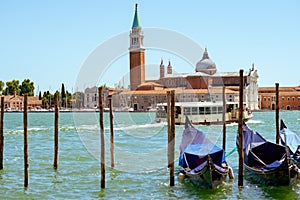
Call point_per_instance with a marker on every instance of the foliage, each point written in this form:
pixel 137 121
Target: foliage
pixel 27 87
pixel 12 87
pixel 1 85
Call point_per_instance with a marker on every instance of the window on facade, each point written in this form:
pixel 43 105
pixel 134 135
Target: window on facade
pixel 293 99
pixel 265 99
pixel 220 109
pixel 282 98
pixel 186 111
pixel 95 97
pixel 288 99
pixel 273 98
pixel 201 110
pixel 269 99
pixel 214 110
pixel 207 110
pixel 299 99
pixel 194 111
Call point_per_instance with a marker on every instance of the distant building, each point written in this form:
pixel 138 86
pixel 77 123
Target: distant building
pixel 16 102
pixel 91 97
pixel 289 98
pixel 205 78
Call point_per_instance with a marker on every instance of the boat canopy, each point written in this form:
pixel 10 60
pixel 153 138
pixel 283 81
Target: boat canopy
pixel 195 148
pixel 289 138
pixel 257 151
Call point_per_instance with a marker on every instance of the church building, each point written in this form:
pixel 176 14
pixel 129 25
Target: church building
pixel 197 86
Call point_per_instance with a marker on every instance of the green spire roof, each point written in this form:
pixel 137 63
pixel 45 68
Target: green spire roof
pixel 136 20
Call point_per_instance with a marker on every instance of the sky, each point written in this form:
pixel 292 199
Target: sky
pixel 50 42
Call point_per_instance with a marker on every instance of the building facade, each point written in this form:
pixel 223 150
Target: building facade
pixel 289 98
pixel 206 75
pixel 16 102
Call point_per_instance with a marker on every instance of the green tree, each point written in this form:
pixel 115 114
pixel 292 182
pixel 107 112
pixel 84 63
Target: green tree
pixel 1 86
pixel 27 87
pixel 11 87
pixel 63 95
pixel 40 95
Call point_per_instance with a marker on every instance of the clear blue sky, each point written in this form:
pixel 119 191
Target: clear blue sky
pixel 48 41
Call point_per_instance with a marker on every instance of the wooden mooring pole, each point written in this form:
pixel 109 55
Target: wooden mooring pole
pixel 223 118
pixel 112 147
pixel 102 143
pixel 240 131
pixel 2 133
pixel 56 111
pixel 171 136
pixel 169 125
pixel 277 114
pixel 25 121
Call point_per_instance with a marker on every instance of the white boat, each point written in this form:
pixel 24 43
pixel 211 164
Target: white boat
pixel 203 112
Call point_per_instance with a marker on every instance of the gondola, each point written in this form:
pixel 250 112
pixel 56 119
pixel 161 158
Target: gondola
pixel 292 141
pixel 201 161
pixel 265 162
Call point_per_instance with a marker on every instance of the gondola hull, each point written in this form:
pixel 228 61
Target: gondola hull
pixel 279 177
pixel 209 177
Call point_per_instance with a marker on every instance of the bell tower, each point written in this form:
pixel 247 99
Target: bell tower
pixel 136 53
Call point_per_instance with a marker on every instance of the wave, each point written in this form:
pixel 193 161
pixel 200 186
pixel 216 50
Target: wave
pixel 252 121
pixel 29 130
pixel 141 126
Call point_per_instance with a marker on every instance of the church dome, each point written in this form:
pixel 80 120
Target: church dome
pixel 206 65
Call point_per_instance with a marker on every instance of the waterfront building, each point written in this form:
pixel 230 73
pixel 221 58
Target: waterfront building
pixel 16 102
pixel 201 82
pixel 289 98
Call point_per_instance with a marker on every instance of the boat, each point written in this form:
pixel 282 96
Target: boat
pixel 203 112
pixel 265 162
pixel 292 141
pixel 201 161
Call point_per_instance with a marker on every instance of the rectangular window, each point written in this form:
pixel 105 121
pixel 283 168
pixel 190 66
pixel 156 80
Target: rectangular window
pixel 214 110
pixel 220 109
pixel 194 111
pixel 201 110
pixel 207 110
pixel 187 111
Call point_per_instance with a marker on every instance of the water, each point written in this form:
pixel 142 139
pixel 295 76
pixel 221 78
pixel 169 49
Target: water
pixel 140 159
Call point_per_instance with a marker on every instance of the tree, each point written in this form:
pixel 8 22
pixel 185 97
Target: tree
pixel 63 91
pixel 40 95
pixel 12 87
pixel 27 87
pixel 63 95
pixel 1 85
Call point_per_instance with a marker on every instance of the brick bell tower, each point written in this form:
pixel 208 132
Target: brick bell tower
pixel 136 53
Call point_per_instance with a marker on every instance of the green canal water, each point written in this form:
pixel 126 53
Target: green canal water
pixel 140 170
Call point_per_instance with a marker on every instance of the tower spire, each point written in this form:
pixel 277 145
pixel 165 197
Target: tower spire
pixel 136 20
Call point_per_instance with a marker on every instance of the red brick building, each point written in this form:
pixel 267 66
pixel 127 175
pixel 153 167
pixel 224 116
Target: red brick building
pixel 289 98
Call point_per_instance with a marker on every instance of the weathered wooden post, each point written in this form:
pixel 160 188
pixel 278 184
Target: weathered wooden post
pixel 102 148
pixel 55 164
pixel 2 133
pixel 112 147
pixel 277 114
pixel 223 118
pixel 240 131
pixel 169 125
pixel 25 122
pixel 171 136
